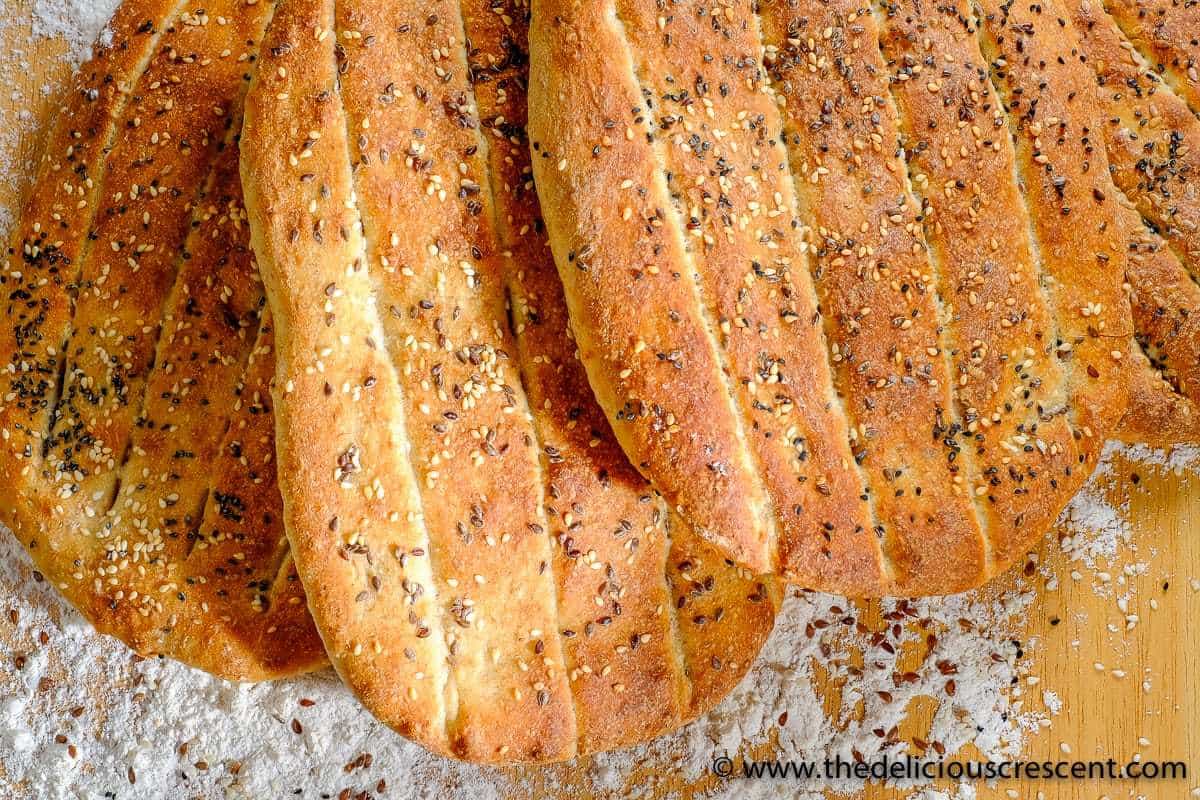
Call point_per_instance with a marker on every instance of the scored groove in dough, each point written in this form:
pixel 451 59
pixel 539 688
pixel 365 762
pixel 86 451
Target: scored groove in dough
pixel 1153 143
pixel 489 488
pixel 382 336
pixel 889 570
pixel 1164 31
pixel 107 476
pixel 695 601
pixel 997 35
pixel 558 588
pixel 759 503
pixel 980 233
pixel 112 131
pixel 948 341
pixel 499 93
pixel 871 262
pixel 961 504
pixel 123 474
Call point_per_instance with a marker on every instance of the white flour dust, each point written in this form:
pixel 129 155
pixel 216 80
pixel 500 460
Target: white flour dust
pixel 82 717
pixel 80 711
pixel 75 22
pixel 79 714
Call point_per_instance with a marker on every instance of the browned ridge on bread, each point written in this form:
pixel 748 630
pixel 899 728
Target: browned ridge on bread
pixel 136 438
pixel 1152 137
pixel 489 574
pixel 1164 34
pixel 853 283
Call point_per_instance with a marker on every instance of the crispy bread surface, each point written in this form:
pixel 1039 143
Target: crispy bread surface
pixel 489 574
pixel 916 197
pixel 137 456
pixel 1152 138
pixel 1164 33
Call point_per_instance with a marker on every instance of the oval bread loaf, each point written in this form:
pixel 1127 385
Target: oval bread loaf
pixel 879 269
pixel 136 439
pixel 1152 138
pixel 490 575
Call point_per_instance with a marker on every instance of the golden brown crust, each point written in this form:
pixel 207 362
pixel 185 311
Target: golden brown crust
pixel 1072 204
pixel 475 457
pixel 489 574
pixel 971 421
pixel 877 289
pixel 1166 312
pixel 607 512
pixel 1009 385
pixel 352 553
pixel 1164 31
pixel 728 179
pixel 722 613
pixel 608 530
pixel 720 218
pixel 1159 415
pixel 126 359
pixel 655 365
pixel 1150 133
pixel 1153 144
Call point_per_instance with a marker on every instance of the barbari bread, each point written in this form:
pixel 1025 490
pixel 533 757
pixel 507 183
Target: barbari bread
pixel 1152 138
pixel 853 283
pixel 136 438
pixel 489 574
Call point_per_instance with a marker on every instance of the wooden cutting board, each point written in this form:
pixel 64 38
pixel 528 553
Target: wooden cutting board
pixel 1124 690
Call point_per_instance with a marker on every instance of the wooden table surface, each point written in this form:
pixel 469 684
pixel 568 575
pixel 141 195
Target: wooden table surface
pixel 1108 712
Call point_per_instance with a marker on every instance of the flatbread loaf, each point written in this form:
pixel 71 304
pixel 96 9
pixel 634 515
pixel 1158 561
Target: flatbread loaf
pixel 136 438
pixel 879 269
pixel 489 574
pixel 1152 138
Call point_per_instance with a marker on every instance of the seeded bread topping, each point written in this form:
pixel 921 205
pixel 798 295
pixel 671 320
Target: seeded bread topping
pixel 137 456
pixel 1152 139
pixel 904 212
pixel 490 576
pixel 1164 33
